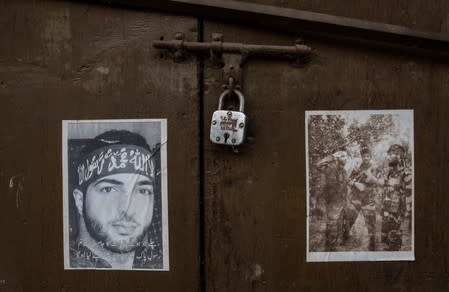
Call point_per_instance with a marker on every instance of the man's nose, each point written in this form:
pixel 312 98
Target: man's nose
pixel 127 205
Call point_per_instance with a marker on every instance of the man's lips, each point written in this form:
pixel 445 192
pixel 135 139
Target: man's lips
pixel 125 228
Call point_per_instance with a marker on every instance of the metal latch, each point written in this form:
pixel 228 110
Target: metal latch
pixel 228 127
pixel 217 47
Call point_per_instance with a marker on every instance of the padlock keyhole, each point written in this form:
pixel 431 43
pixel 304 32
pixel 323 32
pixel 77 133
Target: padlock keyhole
pixel 226 137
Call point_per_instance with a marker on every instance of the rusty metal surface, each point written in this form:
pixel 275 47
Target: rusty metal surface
pixel 241 48
pixel 312 25
pixel 69 61
pixel 62 60
pixel 426 16
pixel 255 212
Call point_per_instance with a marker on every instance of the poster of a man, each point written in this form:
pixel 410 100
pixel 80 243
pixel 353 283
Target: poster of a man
pixel 360 185
pixel 115 194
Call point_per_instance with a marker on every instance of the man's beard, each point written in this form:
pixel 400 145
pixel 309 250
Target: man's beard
pixel 393 163
pixel 97 232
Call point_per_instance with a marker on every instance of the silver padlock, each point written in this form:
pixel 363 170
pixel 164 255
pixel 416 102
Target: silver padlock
pixel 229 127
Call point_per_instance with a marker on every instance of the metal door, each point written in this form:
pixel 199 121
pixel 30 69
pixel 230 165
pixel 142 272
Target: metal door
pixel 255 200
pixel 237 220
pixel 63 60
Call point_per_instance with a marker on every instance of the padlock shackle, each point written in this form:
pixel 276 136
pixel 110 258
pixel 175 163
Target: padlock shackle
pixel 236 92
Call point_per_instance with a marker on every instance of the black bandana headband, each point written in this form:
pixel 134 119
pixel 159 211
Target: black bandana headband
pixel 113 159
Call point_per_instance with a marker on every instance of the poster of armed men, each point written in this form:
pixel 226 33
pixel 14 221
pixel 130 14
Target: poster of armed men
pixel 360 185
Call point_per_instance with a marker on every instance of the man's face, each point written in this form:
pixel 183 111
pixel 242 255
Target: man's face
pixel 394 157
pixel 341 157
pixel 366 157
pixel 117 210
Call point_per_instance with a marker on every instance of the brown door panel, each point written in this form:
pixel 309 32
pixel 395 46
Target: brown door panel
pixel 62 60
pixel 255 200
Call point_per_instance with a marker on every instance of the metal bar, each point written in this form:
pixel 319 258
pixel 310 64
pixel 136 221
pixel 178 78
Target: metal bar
pixel 225 47
pixel 390 38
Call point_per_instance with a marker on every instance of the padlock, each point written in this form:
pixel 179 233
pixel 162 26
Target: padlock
pixel 229 127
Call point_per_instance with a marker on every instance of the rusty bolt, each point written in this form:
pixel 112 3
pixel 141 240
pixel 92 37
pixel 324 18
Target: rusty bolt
pixel 299 41
pixel 241 125
pixel 217 139
pixel 179 36
pixel 217 37
pixel 178 55
pixel 233 141
pixel 214 122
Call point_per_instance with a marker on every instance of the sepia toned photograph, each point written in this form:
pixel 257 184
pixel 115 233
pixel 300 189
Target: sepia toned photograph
pixel 115 194
pixel 360 185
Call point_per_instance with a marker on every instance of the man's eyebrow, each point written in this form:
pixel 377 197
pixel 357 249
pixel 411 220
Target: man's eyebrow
pixel 145 182
pixel 108 180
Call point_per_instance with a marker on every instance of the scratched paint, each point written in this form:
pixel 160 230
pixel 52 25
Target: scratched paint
pixel 257 272
pixel 16 182
pixel 103 70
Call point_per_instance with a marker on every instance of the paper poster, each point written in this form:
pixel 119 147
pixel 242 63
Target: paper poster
pixel 115 194
pixel 360 185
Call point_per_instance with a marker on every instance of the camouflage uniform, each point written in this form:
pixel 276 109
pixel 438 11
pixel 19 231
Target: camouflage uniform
pixel 361 201
pixel 396 205
pixel 333 184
